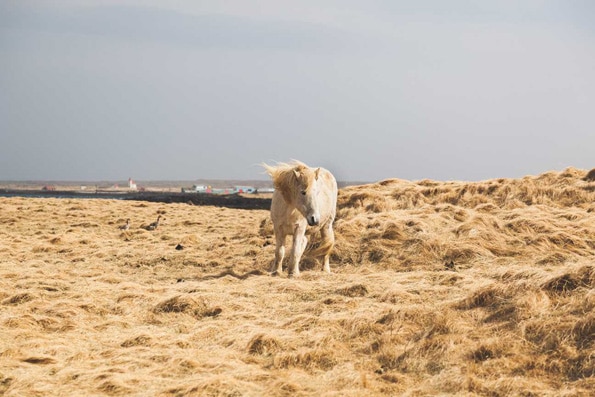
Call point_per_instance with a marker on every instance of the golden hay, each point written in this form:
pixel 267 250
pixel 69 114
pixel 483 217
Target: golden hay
pixel 439 288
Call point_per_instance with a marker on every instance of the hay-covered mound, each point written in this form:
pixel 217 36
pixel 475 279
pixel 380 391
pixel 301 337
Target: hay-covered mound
pixel 524 252
pixel 398 224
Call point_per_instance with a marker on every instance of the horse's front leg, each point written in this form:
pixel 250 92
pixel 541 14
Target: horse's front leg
pixel 277 267
pixel 299 245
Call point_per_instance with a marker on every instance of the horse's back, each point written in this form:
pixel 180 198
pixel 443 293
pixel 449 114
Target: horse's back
pixel 331 190
pixel 330 180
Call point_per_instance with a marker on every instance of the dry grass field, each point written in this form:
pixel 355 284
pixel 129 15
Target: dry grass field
pixel 438 288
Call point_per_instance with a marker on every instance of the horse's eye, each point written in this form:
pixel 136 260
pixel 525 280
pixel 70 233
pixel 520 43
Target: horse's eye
pixel 303 192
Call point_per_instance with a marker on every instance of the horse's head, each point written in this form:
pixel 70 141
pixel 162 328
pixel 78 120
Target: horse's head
pixel 306 193
pixel 298 184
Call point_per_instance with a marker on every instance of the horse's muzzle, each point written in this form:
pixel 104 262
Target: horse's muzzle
pixel 313 220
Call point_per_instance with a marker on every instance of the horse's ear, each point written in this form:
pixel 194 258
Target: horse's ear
pixel 316 173
pixel 296 173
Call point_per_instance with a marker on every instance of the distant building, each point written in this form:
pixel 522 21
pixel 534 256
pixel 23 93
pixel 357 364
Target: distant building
pixel 197 189
pixel 244 189
pixel 131 184
pixel 201 188
pixel 266 190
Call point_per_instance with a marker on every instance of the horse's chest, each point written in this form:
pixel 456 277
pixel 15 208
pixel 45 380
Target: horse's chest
pixel 293 219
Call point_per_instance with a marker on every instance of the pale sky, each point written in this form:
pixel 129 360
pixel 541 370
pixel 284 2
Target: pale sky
pixel 375 89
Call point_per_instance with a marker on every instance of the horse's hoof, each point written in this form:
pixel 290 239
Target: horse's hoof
pixel 293 275
pixel 274 274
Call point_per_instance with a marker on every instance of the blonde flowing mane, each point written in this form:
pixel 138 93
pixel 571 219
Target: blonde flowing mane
pixel 284 178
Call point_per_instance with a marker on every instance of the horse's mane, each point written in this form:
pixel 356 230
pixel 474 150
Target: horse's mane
pixel 283 177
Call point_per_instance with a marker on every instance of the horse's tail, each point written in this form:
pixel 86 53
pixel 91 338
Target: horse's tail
pixel 320 248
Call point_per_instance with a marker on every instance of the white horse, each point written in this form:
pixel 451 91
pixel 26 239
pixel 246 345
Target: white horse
pixel 303 197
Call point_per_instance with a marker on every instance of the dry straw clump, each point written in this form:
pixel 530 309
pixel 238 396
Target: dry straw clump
pixel 439 288
pixel 188 305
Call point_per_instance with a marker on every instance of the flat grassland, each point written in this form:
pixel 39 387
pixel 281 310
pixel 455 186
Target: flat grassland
pixel 438 288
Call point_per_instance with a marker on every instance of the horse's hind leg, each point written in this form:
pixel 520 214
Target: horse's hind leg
pixel 277 267
pixel 328 240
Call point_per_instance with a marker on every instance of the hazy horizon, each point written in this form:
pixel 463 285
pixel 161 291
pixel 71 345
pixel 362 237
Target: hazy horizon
pixel 106 90
pixel 159 182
